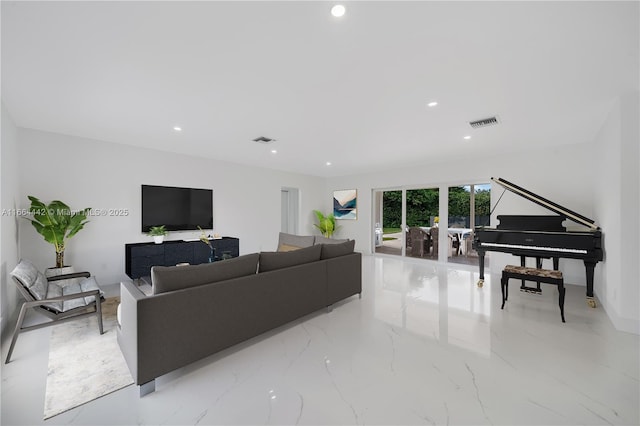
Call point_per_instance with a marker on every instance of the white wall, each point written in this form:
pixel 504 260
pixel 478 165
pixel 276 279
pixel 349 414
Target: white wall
pixel 88 173
pixel 9 224
pixel 617 191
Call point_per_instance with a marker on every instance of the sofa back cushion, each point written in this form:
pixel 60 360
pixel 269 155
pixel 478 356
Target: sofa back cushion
pixel 324 240
pixel 335 250
pixel 270 261
pixel 290 242
pixel 170 278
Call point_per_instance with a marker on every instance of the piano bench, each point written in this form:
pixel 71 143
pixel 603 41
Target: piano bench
pixel 533 274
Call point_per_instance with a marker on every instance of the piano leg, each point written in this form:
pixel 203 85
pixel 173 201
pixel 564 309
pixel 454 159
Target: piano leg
pixel 539 266
pixel 590 268
pixel 481 262
pixel 523 263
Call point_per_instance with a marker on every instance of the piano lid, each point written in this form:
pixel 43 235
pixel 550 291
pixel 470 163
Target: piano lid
pixel 556 208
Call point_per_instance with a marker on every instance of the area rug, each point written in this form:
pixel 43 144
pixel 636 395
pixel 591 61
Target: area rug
pixel 83 364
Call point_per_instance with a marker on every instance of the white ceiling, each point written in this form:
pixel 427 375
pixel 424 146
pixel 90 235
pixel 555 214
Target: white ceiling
pixel 352 91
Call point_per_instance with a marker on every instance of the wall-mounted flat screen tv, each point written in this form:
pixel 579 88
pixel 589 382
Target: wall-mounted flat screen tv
pixel 178 209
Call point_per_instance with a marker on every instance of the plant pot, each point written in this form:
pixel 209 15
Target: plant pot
pixel 158 239
pixel 54 272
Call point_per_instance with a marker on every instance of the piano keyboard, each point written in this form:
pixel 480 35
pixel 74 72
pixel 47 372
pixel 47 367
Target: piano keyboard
pixel 515 246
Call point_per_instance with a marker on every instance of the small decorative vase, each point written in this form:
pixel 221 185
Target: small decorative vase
pixel 158 239
pixel 211 255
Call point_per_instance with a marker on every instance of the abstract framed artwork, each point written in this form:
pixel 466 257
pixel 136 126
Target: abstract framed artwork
pixel 345 204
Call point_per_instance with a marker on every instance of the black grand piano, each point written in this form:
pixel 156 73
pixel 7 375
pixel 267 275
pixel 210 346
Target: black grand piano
pixel 541 237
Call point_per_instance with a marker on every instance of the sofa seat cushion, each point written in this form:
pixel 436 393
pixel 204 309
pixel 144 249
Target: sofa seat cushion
pixel 324 240
pixel 290 242
pixel 170 278
pixel 270 261
pixel 330 251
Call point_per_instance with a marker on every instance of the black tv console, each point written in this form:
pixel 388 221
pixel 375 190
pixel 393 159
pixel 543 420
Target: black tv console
pixel 140 257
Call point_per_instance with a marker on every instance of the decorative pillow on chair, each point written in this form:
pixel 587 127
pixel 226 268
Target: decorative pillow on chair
pixel 287 247
pixel 289 242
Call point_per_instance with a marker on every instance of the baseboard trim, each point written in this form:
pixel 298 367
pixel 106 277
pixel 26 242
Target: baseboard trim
pixel 628 325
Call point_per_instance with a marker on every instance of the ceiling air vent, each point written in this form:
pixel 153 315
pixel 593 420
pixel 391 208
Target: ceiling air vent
pixel 263 139
pixel 491 121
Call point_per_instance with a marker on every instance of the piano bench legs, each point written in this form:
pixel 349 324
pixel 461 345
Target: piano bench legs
pixel 533 274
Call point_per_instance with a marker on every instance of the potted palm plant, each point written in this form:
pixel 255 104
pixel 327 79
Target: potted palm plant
pixel 56 222
pixel 158 233
pixel 326 224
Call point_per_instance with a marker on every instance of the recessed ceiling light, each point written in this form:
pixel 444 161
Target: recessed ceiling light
pixel 177 128
pixel 432 104
pixel 338 10
pixel 328 163
pixel 274 151
pixel 467 137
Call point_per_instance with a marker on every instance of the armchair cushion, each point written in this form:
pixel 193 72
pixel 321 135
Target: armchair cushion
pixel 31 279
pixel 324 240
pixel 78 286
pixel 289 242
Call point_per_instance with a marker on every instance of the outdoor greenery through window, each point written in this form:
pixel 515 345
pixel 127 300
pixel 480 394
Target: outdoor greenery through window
pixel 460 205
pixel 422 207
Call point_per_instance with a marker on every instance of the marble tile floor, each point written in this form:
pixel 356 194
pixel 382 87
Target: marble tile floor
pixel 424 345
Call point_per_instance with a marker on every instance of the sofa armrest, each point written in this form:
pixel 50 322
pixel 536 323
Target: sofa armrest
pixel 130 295
pixel 344 277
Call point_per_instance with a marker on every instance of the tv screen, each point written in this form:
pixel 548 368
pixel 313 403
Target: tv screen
pixel 178 209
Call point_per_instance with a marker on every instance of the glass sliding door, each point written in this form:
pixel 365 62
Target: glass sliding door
pixel 469 206
pixel 421 236
pixel 407 221
pixel 388 221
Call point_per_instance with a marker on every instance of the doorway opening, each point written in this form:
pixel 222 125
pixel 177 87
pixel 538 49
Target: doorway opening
pixel 289 210
pixel 387 215
pixel 469 206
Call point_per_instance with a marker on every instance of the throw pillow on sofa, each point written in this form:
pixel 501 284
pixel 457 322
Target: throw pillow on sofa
pixel 170 278
pixel 270 261
pixel 290 242
pixel 335 250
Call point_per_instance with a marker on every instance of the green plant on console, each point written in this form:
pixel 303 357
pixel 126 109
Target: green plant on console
pixel 157 231
pixel 205 239
pixel 56 222
pixel 326 224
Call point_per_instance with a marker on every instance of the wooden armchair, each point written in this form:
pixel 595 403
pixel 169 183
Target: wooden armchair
pixel 77 299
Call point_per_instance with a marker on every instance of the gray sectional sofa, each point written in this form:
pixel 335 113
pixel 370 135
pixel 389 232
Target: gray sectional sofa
pixel 197 310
